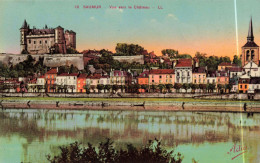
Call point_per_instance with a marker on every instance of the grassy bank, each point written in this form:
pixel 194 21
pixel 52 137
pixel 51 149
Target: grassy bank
pixel 124 99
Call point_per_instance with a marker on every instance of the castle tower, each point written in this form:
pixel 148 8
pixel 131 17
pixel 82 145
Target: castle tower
pixel 23 33
pixel 250 51
pixel 60 40
pixel 70 37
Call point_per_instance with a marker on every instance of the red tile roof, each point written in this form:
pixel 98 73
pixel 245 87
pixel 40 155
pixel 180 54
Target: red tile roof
pixel 235 69
pixel 144 74
pixel 226 64
pixel 73 74
pixel 82 76
pixel 41 76
pixel 63 74
pixel 162 71
pixel 184 63
pixel 95 76
pixel 52 71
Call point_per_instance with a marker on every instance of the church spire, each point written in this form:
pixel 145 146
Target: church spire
pixel 250 37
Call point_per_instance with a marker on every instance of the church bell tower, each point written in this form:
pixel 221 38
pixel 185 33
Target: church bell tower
pixel 250 51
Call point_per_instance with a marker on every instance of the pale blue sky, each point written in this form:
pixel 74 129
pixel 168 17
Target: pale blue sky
pixel 185 25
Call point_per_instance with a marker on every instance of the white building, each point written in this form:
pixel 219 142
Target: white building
pixel 183 71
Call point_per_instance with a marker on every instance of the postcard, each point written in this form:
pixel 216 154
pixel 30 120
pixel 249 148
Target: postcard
pixel 129 81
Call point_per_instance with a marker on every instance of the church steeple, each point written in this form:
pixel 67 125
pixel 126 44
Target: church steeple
pixel 250 37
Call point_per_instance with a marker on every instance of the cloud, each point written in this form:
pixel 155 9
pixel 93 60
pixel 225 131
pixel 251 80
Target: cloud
pixel 92 18
pixel 121 10
pixel 172 16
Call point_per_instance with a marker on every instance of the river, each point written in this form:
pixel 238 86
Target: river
pixel 29 135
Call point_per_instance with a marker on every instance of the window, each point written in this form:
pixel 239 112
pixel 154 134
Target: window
pixel 188 73
pixel 40 42
pixel 160 76
pixel 152 81
pixel 29 41
pixel 152 76
pixel 34 42
pixel 170 76
pixel 208 81
pixel 178 74
pixel 246 86
pixel 45 41
pixel 195 81
pixel 241 86
pixel 160 81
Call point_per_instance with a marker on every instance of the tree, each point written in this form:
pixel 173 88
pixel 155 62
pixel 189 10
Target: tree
pixel 144 87
pixel 237 60
pixel 170 52
pixel 202 87
pixel 177 86
pixel 124 49
pixel 136 88
pixel 153 87
pixel 100 87
pixel 115 88
pixel 108 87
pixel 228 87
pixel 185 86
pixel 169 87
pixel 193 87
pixel 71 50
pixel 161 87
pixel 220 87
pixel 87 88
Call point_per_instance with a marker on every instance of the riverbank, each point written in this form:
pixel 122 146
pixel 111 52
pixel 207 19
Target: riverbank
pixel 155 104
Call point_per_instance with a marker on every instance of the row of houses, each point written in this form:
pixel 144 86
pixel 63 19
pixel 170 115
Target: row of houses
pixel 241 79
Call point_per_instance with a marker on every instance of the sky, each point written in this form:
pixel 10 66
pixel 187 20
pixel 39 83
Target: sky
pixel 189 26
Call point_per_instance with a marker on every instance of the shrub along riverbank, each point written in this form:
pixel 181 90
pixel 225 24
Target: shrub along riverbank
pixel 106 153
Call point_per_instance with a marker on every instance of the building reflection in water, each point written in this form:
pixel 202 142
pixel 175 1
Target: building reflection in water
pixel 40 132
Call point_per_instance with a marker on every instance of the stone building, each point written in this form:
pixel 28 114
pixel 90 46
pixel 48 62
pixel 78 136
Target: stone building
pixel 46 40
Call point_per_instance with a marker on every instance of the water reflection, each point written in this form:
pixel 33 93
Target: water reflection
pixel 34 133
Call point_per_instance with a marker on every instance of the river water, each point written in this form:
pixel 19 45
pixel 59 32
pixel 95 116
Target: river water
pixel 29 135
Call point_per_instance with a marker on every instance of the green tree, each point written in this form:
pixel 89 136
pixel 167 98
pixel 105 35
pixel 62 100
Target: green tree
pixel 128 49
pixel 108 87
pixel 144 87
pixel 185 86
pixel 100 87
pixel 153 87
pixel 115 88
pixel 170 52
pixel 237 60
pixel 161 87
pixel 220 88
pixel 169 87
pixel 177 86
pixel 106 153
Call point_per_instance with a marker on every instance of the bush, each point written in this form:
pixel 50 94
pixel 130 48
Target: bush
pixel 106 153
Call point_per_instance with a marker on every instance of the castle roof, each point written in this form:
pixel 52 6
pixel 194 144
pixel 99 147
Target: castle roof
pixel 59 27
pixel 41 31
pixel 25 25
